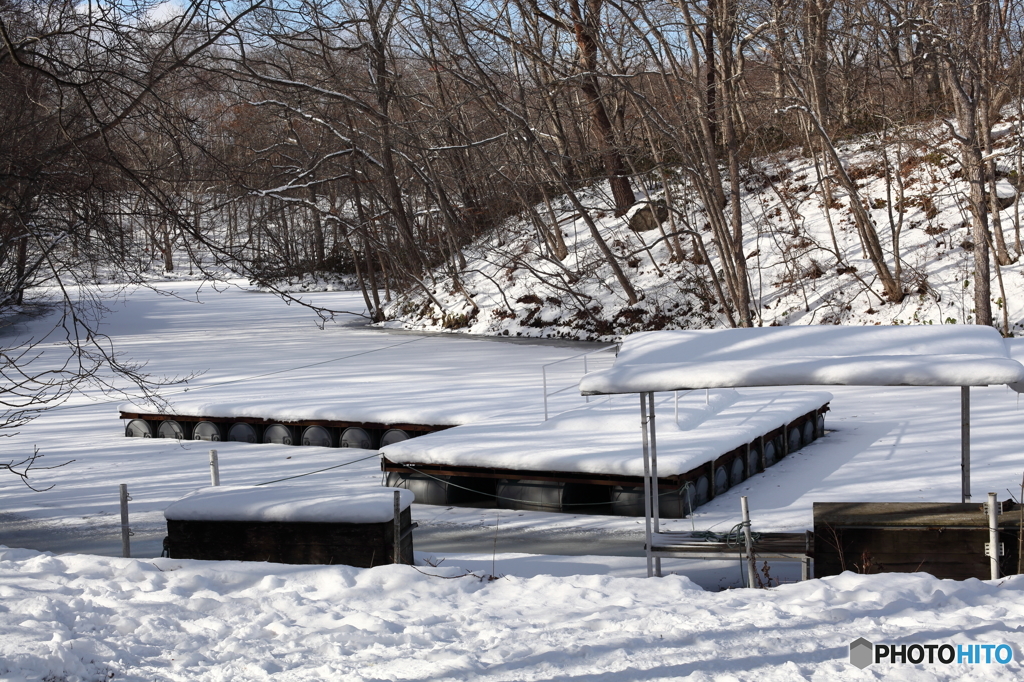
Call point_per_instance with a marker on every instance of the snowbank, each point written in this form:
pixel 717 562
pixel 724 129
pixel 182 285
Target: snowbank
pixel 288 503
pixel 88 618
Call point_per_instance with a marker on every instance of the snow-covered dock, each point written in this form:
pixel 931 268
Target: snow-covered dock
pixel 292 524
pixel 588 460
pixel 315 431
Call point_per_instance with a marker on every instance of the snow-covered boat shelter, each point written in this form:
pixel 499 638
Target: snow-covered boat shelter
pixel 954 355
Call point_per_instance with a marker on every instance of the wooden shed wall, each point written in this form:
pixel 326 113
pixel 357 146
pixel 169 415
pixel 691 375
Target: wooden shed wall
pixel 354 544
pixel 945 540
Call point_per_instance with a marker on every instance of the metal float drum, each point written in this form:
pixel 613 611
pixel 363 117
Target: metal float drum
pixel 808 431
pixel 793 440
pixel 819 426
pixel 721 479
pixel 737 473
pixel 138 428
pixel 207 431
pixel 427 490
pixel 170 429
pixel 674 504
pixel 443 490
pixel 552 496
pixel 243 433
pixel 279 434
pixel 627 500
pixel 770 453
pixel 698 492
pixel 753 460
pixel 393 436
pixel 354 437
pixel 317 435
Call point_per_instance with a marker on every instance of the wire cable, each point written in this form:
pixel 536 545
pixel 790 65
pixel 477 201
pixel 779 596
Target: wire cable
pixel 310 473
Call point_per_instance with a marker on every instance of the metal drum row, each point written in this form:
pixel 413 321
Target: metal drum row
pixel 617 500
pixel 281 434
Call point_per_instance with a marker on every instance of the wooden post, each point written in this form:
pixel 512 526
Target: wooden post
pixel 214 469
pixel 126 547
pixel 398 526
pixel 993 535
pixel 748 542
pixel 965 443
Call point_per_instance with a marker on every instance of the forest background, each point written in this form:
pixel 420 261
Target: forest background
pixel 445 157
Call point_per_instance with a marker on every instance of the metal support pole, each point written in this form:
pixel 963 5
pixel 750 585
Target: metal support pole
pixel 398 527
pixel 126 544
pixel 993 535
pixel 965 444
pixel 647 485
pixel 655 489
pixel 544 379
pixel 748 542
pixel 585 398
pixel 214 468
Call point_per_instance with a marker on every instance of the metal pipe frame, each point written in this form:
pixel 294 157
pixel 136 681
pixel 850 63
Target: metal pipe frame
pixel 655 491
pixel 965 444
pixel 647 486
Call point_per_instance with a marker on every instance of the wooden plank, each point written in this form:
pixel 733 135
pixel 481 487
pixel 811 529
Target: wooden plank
pixel 944 539
pixel 905 514
pixel 363 545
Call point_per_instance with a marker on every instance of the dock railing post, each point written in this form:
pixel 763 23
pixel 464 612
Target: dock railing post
pixel 748 542
pixel 586 398
pixel 398 527
pixel 655 490
pixel 544 379
pixel 993 535
pixel 214 469
pixel 126 546
pixel 647 486
pixel 965 444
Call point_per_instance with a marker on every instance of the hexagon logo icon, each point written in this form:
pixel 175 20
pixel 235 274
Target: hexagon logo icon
pixel 861 651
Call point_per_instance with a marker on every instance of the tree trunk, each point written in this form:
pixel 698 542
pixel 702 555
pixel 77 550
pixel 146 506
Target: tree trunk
pixel 585 29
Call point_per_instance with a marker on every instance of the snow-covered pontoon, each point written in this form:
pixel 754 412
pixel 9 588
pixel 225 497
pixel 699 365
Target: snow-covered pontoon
pixel 586 459
pixel 669 361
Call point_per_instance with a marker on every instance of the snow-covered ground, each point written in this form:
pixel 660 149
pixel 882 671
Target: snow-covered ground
pixel 80 617
pixel 91 618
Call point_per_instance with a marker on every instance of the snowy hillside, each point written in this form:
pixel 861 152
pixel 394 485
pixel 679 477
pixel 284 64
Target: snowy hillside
pixel 805 261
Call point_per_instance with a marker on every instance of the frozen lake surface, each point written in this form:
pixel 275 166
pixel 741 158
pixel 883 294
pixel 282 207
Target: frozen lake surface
pixel 579 611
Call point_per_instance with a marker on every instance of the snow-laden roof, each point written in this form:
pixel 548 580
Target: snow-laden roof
pixel 950 355
pixel 288 503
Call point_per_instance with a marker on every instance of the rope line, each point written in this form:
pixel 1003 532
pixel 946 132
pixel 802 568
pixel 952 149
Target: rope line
pixel 732 537
pixel 310 473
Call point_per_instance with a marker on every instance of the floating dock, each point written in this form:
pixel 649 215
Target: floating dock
pixel 316 432
pixel 588 461
pixel 292 525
